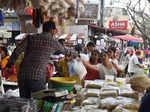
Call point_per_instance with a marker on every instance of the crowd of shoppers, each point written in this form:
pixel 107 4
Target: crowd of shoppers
pixel 33 67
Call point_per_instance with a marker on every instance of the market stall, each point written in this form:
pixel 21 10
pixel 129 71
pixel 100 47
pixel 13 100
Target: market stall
pixel 110 95
pixel 95 96
pixel 71 39
pixel 106 96
pixel 128 37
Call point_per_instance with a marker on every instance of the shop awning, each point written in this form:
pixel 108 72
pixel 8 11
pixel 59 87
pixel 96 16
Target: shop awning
pixel 71 37
pixel 128 37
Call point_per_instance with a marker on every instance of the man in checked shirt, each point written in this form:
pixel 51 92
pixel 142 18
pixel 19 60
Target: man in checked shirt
pixel 37 49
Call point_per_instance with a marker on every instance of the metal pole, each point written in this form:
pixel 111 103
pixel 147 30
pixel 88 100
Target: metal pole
pixel 77 11
pixel 102 13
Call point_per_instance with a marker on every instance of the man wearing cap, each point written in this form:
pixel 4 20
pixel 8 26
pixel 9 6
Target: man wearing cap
pixel 37 49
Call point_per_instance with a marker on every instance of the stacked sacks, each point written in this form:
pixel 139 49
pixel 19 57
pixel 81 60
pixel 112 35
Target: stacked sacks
pixel 109 97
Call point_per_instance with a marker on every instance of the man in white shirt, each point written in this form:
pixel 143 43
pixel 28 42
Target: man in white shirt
pixel 134 65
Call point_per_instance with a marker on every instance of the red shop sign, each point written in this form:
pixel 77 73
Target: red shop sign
pixel 29 11
pixel 118 25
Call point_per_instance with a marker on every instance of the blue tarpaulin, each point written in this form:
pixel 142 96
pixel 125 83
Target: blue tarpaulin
pixel 1 17
pixel 133 42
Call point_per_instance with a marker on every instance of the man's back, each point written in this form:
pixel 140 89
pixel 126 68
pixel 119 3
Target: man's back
pixel 37 49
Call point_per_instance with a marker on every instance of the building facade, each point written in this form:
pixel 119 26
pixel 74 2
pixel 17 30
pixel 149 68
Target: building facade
pixel 115 11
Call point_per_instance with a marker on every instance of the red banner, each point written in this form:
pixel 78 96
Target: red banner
pixel 118 25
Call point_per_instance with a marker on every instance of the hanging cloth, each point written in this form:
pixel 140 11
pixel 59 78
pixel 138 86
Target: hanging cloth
pixel 1 17
pixel 37 17
pixel 34 16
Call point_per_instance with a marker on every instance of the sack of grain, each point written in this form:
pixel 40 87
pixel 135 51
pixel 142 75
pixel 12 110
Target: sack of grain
pixel 108 103
pixel 105 94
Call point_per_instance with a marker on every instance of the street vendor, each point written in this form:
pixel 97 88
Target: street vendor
pixel 37 48
pixel 141 84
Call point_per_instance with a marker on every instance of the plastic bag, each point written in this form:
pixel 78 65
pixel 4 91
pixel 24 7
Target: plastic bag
pixel 111 84
pixel 92 93
pixel 125 100
pixel 84 57
pixel 97 110
pixel 125 87
pixel 108 103
pixel 94 84
pixel 76 109
pixel 80 96
pixel 132 106
pixel 105 94
pixel 90 101
pixel 110 88
pixel 121 109
pixel 129 93
pixel 129 103
pixel 89 107
pixel 80 69
pixel 121 81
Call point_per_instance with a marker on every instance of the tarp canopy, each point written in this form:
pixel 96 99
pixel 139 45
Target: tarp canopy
pixel 128 37
pixel 71 36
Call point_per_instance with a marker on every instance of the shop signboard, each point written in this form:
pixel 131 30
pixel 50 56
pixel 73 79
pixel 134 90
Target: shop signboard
pixel 11 26
pixel 118 25
pixel 29 10
pixel 5 34
pixel 15 26
pixel 6 26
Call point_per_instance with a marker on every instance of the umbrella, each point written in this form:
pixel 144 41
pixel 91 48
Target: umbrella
pixel 128 37
pixel 20 36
